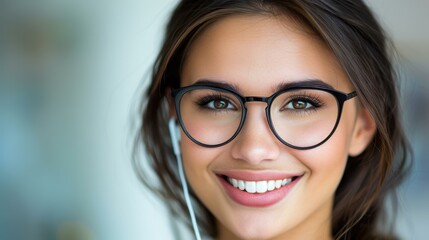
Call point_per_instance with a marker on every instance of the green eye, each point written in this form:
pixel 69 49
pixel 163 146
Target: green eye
pixel 219 104
pixel 298 105
pixel 216 103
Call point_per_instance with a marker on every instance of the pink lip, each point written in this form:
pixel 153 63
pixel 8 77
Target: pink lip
pixel 248 175
pixel 257 199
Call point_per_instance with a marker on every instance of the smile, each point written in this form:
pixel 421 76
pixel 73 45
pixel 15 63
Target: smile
pixel 259 186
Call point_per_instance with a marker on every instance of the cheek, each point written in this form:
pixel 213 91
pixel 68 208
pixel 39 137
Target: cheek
pixel 331 157
pixel 327 162
pixel 194 158
pixel 196 162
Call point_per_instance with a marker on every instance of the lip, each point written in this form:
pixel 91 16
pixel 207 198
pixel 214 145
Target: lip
pixel 249 175
pixel 256 199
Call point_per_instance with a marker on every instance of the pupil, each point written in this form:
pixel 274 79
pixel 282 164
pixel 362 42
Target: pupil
pixel 298 104
pixel 219 104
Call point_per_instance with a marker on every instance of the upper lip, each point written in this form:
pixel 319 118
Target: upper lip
pixel 260 175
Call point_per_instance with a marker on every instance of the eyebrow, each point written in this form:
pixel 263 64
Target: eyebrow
pixel 218 83
pixel 311 82
pixel 303 83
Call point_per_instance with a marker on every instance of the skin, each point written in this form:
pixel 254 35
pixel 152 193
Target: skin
pixel 256 53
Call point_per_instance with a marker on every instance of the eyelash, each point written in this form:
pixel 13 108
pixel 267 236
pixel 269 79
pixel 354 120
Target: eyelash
pixel 314 101
pixel 203 101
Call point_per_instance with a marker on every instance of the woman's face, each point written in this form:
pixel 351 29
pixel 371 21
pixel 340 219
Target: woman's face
pixel 255 54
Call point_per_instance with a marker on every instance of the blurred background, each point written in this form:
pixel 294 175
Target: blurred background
pixel 71 74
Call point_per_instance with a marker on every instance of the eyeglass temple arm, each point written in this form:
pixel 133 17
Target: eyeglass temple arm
pixel 351 95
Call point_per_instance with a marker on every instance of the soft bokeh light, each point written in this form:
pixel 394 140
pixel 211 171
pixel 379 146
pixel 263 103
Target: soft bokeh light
pixel 71 75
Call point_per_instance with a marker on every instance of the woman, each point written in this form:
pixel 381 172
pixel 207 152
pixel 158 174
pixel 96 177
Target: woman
pixel 284 115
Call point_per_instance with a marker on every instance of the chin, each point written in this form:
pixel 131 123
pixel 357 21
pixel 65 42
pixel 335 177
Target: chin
pixel 252 232
pixel 254 236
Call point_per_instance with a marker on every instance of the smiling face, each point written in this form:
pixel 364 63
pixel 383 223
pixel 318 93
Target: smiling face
pixel 255 186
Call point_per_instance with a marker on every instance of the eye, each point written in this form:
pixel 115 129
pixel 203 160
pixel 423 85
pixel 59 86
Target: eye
pixel 302 103
pixel 216 103
pixel 220 104
pixel 299 104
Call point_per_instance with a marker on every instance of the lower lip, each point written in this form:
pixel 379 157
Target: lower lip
pixel 257 199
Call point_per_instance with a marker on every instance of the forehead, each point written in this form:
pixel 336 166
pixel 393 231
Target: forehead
pixel 257 53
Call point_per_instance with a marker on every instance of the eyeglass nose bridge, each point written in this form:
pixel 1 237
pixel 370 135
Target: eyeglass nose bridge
pixel 256 99
pixel 266 100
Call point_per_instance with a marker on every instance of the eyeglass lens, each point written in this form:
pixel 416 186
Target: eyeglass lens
pixel 300 117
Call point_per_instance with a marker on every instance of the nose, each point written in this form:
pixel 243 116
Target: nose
pixel 256 142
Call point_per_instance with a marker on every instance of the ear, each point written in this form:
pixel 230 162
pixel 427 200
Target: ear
pixel 363 132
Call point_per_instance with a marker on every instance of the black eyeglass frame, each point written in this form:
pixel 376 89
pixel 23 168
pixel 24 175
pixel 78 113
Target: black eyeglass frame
pixel 177 94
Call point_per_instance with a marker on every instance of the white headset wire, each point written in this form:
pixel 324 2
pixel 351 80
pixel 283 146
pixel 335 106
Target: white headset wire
pixel 175 137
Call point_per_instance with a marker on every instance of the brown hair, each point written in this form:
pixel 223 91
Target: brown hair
pixel 352 33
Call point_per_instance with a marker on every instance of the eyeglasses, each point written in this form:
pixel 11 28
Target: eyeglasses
pixel 300 117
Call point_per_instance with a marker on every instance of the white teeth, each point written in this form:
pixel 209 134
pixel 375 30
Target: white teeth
pixel 250 187
pixel 271 185
pixel 241 184
pixel 234 182
pixel 258 186
pixel 284 182
pixel 278 183
pixel 261 186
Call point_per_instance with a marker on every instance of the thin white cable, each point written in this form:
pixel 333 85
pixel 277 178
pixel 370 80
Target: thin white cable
pixel 172 127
